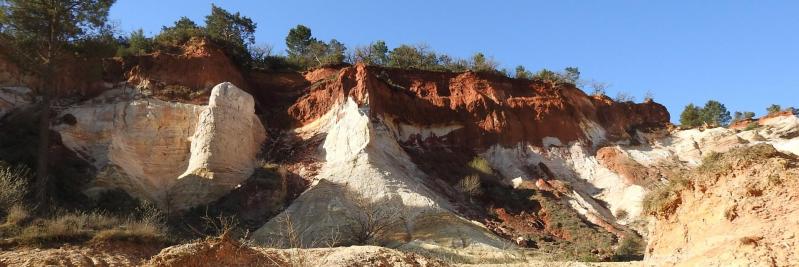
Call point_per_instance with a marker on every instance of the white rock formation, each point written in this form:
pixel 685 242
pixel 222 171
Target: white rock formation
pixel 223 148
pixel 366 169
pixel 144 146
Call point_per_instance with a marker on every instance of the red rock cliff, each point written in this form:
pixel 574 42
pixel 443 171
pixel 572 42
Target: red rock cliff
pixel 492 109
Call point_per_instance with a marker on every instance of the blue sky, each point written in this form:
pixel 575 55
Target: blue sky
pixel 744 54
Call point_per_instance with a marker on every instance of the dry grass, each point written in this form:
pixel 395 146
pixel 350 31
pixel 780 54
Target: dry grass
pixel 145 226
pixel 470 186
pixel 665 199
pixel 13 186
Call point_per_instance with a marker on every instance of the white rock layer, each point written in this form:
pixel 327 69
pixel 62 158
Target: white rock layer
pixel 364 162
pixel 143 146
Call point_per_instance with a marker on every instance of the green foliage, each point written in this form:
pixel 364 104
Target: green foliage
pixel 448 63
pixel 418 57
pixel 549 76
pixel 715 114
pixel 138 44
pixel 179 33
pixel 298 41
pixel 306 51
pixel 41 33
pixel 481 165
pixel 571 75
pixel 375 53
pixel 481 64
pixel 691 116
pixel 774 108
pixel 741 116
pixel 262 58
pixel 522 73
pixel 234 32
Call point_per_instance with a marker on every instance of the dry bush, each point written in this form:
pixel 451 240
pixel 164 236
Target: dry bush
pixel 369 220
pixel 13 186
pixel 470 186
pixel 17 215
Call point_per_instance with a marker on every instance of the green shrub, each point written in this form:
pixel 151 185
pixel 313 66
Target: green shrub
pixel 481 165
pixel 181 32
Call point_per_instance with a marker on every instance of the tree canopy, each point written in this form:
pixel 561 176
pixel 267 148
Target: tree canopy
pixel 39 35
pixel 691 116
pixel 713 114
pixel 236 33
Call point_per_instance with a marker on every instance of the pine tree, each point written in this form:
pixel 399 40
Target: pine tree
pixel 39 34
pixel 236 33
pixel 715 114
pixel 691 116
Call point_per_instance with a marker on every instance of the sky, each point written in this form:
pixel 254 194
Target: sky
pixel 744 54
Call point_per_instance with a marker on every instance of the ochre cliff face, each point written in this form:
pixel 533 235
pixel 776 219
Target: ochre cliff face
pixel 174 154
pixel 740 209
pixel 489 109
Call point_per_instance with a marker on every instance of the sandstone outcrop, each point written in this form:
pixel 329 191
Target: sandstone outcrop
pixel 144 145
pixel 223 147
pixel 366 173
pixel 385 130
pixel 738 209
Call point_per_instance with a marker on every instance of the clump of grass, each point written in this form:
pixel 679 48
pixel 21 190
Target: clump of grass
pixel 751 126
pixel 146 224
pixel 13 186
pixel 17 215
pixel 481 165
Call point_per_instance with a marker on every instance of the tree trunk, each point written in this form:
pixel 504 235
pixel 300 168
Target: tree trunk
pixel 47 92
pixel 42 174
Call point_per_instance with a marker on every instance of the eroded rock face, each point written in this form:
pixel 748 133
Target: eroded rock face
pixel 742 212
pixel 366 170
pixel 144 145
pixel 487 109
pixel 223 147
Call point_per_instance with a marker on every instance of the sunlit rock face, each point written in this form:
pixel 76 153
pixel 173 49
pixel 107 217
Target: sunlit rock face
pixel 174 154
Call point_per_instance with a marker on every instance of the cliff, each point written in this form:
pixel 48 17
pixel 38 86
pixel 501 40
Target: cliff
pixel 557 171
